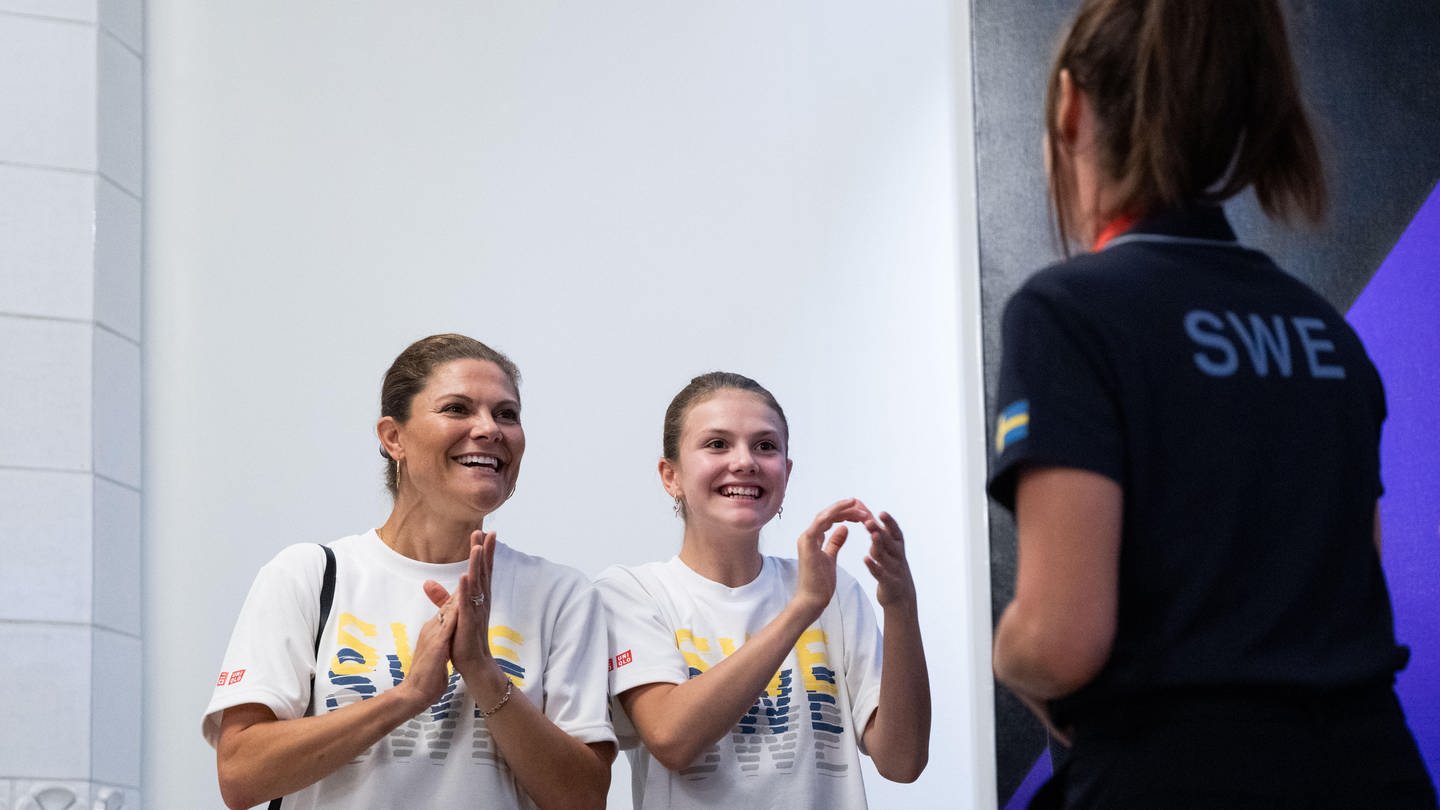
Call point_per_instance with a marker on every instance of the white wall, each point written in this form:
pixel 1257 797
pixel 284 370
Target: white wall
pixel 71 201
pixel 619 196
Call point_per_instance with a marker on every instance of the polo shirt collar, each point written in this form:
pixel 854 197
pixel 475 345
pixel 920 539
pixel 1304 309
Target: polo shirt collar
pixel 1195 223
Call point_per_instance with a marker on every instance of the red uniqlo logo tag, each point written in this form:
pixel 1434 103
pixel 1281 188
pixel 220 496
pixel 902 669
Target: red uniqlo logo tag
pixel 236 676
pixel 223 676
pixel 623 658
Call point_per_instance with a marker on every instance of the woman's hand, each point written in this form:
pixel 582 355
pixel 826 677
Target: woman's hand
pixel 470 646
pixel 553 768
pixel 429 665
pixel 887 563
pixel 817 553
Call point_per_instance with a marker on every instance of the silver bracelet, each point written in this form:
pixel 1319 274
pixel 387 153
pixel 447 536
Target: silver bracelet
pixel 505 698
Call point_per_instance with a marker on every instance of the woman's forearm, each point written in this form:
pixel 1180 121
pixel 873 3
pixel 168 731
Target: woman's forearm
pixel 1032 659
pixel 1056 634
pixel 552 767
pixel 260 757
pixel 898 736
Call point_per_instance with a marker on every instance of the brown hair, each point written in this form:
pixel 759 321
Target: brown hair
pixel 1195 100
pixel 702 388
pixel 408 375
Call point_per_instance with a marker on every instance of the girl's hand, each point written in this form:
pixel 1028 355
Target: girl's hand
pixel 887 563
pixel 817 553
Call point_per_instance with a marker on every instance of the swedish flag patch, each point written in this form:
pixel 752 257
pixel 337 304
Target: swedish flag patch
pixel 1012 425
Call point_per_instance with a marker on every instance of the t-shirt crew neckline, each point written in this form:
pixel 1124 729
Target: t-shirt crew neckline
pixel 699 580
pixel 423 570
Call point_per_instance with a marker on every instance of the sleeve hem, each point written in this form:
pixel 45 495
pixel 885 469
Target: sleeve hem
pixel 866 707
pixel 210 725
pixel 591 732
pixel 1005 479
pixel 645 677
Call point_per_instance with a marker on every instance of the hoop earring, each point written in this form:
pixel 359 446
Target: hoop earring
pixel 679 507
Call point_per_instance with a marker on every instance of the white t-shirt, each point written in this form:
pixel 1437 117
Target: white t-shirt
pixel 799 745
pixel 546 630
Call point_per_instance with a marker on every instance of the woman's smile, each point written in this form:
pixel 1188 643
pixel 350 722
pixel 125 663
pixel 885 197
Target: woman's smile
pixel 464 440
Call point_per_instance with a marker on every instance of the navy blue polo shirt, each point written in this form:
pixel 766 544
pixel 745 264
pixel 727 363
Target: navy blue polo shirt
pixel 1241 417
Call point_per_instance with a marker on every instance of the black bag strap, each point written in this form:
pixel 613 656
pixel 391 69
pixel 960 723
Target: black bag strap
pixel 327 597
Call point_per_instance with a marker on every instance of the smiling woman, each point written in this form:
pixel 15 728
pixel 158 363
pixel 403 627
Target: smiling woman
pixel 502 690
pixel 696 639
pixel 461 436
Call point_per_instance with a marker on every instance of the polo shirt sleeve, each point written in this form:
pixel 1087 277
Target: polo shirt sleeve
pixel 1057 395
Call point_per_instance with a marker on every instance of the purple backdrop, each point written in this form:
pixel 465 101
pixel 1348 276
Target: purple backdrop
pixel 1398 317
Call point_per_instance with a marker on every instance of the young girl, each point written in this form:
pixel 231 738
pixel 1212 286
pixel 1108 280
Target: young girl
pixel 1189 439
pixel 756 681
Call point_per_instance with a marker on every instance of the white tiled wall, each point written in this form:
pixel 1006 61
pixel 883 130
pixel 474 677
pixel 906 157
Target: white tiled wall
pixel 115 713
pixel 47 733
pixel 48 82
pixel 116 407
pixel 46 220
pixel 121 124
pixel 45 395
pixel 126 20
pixel 117 258
pixel 45 518
pixel 71 226
pixel 116 558
pixel 115 591
pixel 78 10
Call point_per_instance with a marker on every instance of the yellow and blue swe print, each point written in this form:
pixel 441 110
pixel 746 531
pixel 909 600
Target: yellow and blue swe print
pixel 768 737
pixel 798 743
pixel 358 668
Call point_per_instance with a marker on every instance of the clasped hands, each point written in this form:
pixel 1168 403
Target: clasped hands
pixel 458 632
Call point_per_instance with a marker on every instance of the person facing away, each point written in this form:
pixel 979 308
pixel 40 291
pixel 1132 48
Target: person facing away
pixel 742 680
pixel 1188 437
pixel 497 700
